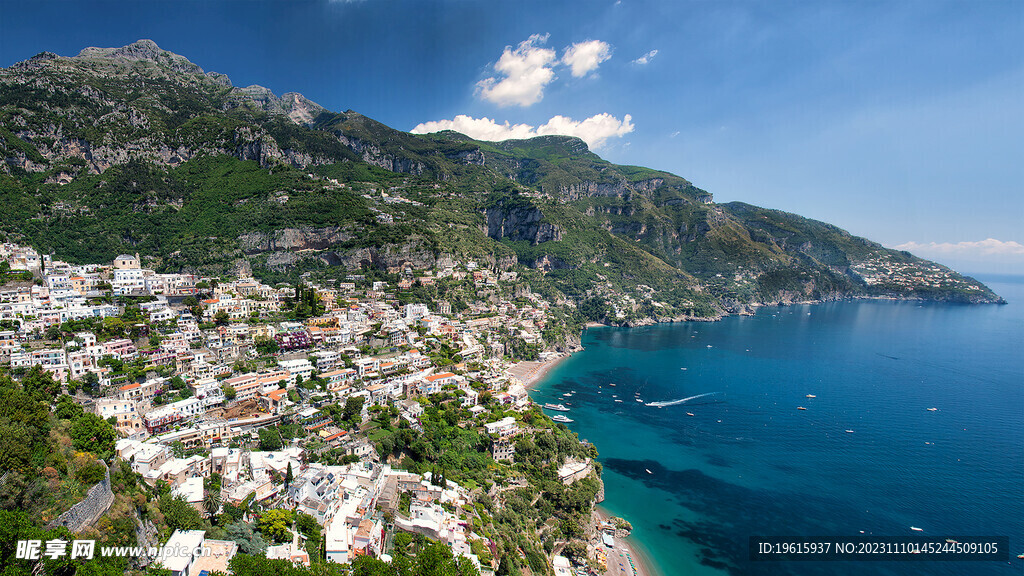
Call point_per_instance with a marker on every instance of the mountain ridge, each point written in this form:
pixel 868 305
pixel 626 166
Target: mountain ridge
pixel 138 149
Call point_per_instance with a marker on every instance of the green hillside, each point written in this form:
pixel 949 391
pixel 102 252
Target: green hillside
pixel 136 149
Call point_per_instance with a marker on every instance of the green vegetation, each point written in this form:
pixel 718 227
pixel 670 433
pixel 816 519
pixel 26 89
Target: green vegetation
pixel 293 199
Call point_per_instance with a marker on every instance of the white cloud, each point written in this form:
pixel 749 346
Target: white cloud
pixel 526 70
pixel 987 247
pixel 674 134
pixel 595 131
pixel 584 57
pixel 646 58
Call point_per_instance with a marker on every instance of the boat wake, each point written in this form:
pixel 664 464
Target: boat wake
pixel 665 403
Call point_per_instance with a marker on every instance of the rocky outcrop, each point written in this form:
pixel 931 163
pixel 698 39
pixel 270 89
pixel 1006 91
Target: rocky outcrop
pixel 548 263
pixel 144 50
pixel 520 223
pixel 372 154
pixel 590 188
pixel 412 254
pixel 306 238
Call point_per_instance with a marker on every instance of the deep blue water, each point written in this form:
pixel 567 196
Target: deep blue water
pixel 749 463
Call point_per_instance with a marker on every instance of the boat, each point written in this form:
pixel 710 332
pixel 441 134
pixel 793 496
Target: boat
pixel 648 470
pixel 849 431
pixel 612 384
pixel 639 400
pixel 562 419
pixel 709 345
pixel 916 529
pixel 951 541
pixel 617 400
pixel 689 413
pixel 801 408
pixel 810 396
pixel 933 409
pixel 559 407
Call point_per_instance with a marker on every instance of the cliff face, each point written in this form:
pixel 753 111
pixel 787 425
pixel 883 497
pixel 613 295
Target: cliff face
pixel 520 223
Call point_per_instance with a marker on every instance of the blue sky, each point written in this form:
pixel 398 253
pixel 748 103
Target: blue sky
pixel 899 121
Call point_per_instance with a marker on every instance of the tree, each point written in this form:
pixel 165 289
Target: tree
pixel 53 332
pixel 353 408
pixel 179 514
pixel 67 409
pixel 249 541
pixel 91 383
pixel 288 476
pixel 274 524
pixel 307 525
pixel 40 384
pixel 211 503
pixel 221 317
pixel 265 346
pixel 93 434
pixel 270 439
pixel 229 392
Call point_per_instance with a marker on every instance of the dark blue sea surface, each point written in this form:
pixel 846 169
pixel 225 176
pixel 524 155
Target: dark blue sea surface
pixel 748 462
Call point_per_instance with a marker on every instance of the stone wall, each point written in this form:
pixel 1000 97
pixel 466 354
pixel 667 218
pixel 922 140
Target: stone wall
pixel 96 502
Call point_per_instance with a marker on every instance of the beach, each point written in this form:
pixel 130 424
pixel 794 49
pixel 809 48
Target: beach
pixel 530 373
pixel 627 558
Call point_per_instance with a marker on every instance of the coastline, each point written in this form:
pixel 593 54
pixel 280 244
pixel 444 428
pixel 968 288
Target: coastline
pixel 531 373
pixel 626 548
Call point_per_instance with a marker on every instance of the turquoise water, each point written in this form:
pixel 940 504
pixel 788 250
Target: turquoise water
pixel 748 462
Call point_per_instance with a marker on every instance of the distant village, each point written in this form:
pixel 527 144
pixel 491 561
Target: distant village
pixel 192 376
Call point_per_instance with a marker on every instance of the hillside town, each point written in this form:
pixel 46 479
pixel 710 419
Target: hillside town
pixel 295 397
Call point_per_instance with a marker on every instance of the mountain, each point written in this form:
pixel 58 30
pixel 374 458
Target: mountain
pixel 136 149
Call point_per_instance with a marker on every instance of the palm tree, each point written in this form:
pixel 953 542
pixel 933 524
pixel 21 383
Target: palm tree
pixel 211 503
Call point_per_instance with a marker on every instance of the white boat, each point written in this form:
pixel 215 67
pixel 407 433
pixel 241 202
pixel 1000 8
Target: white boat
pixel 639 400
pixel 562 419
pixel 648 470
pixel 558 407
pixel 689 413
pixel 933 409
pixel 916 529
pixel 849 431
pixel 810 396
pixel 617 400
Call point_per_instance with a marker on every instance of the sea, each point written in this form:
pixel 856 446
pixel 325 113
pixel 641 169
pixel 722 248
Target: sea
pixel 865 457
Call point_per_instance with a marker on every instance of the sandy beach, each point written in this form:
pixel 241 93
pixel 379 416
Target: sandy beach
pixel 530 373
pixel 627 558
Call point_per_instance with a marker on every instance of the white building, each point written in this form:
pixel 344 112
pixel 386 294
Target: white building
pixel 504 427
pixel 181 564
